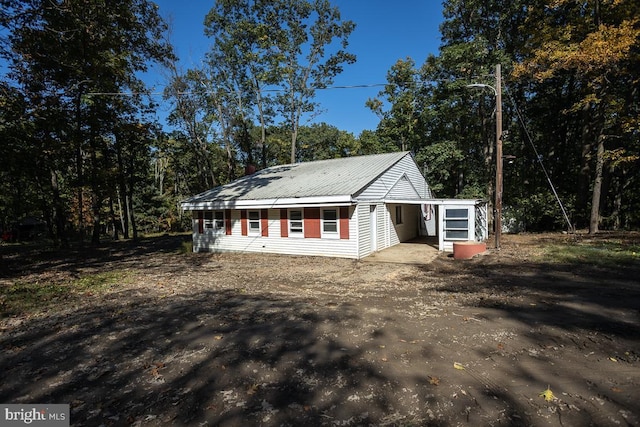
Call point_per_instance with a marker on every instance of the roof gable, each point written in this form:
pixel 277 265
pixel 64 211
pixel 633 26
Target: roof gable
pixel 402 189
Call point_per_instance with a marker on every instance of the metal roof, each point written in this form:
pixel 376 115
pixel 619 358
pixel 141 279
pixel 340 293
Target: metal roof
pixel 335 177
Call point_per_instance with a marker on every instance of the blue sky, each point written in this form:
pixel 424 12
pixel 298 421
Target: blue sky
pixel 386 31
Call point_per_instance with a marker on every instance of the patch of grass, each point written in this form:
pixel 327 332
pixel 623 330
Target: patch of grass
pixel 606 254
pixel 186 247
pixel 23 297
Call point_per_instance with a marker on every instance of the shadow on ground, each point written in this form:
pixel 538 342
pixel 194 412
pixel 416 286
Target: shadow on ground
pixel 220 357
pixel 33 257
pixel 332 342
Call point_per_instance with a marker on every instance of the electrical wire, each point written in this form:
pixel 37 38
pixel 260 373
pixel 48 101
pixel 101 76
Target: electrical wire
pixel 539 158
pixel 211 92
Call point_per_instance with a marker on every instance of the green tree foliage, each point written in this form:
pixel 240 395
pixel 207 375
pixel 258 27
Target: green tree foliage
pixel 295 46
pixel 323 141
pixel 65 61
pixel 570 69
pixel 589 51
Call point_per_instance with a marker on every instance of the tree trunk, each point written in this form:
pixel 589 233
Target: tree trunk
pixel 122 188
pixel 597 188
pixel 79 166
pixel 59 212
pixel 584 178
pixel 97 219
pixel 129 199
pixel 114 219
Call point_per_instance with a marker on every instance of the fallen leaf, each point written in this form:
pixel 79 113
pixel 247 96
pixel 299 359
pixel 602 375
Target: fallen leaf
pixel 458 366
pixel 434 380
pixel 613 359
pixel 253 389
pixel 616 389
pixel 217 337
pixel 547 394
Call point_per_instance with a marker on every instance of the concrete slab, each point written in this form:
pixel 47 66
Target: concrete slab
pixel 417 252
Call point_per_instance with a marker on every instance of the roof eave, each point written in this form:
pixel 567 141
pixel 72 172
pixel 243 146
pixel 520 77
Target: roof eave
pixel 288 202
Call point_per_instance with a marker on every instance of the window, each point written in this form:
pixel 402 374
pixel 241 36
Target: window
pixel 219 220
pixel 398 215
pixel 456 224
pixel 254 223
pixel 214 221
pixel 296 223
pixel 208 220
pixel 330 222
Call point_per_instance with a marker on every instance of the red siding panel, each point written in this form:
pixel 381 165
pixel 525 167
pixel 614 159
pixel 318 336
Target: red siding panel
pixel 344 223
pixel 312 223
pixel 244 227
pixel 264 218
pixel 284 223
pixel 227 222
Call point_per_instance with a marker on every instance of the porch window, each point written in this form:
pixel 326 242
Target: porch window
pixel 296 223
pixel 330 223
pixel 398 215
pixel 254 223
pixel 456 224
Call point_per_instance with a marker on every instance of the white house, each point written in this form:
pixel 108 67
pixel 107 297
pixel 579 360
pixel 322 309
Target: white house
pixel 347 207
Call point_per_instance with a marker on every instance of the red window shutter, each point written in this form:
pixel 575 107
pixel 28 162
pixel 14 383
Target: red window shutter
pixel 312 222
pixel 264 218
pixel 344 223
pixel 227 222
pixel 200 222
pixel 244 229
pixel 284 223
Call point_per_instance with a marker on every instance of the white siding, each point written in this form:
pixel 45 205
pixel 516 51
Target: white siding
pixel 403 190
pixel 236 242
pixel 385 228
pixel 385 183
pixel 392 235
pixel 363 212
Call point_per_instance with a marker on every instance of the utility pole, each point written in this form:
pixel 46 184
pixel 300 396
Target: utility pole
pixel 498 207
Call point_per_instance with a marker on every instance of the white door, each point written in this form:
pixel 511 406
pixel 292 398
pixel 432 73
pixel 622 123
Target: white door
pixel 373 221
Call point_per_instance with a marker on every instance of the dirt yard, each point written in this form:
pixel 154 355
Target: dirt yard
pixel 231 340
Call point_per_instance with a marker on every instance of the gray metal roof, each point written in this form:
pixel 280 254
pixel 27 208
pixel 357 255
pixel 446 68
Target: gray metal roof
pixel 334 177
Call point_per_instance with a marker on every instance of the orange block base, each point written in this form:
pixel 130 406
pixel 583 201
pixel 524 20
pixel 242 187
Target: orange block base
pixel 467 250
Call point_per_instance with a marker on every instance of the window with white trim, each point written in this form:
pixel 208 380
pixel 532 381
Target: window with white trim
pixel 254 223
pixel 330 223
pixel 296 223
pixel 214 221
pixel 208 220
pixel 456 223
pixel 218 220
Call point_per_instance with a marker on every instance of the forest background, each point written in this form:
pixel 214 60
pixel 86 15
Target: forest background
pixel 83 153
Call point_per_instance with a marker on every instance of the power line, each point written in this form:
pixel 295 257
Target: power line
pixel 539 158
pixel 362 86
